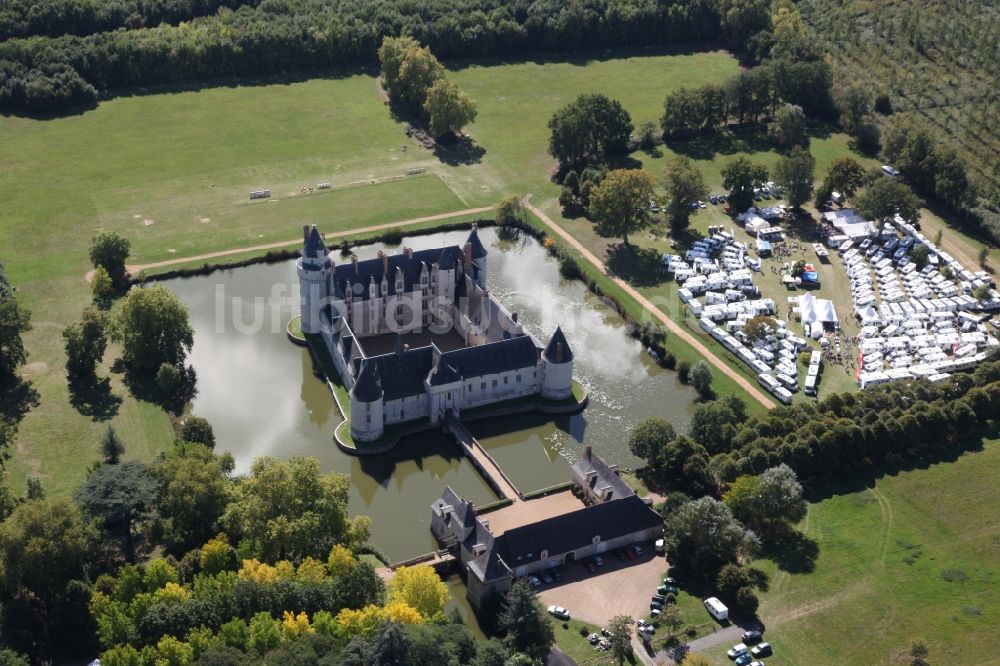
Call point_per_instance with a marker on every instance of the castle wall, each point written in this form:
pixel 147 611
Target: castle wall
pixel 557 380
pixel 485 389
pixel 407 409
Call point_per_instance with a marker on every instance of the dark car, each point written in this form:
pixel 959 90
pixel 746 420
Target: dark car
pixel 591 567
pixel 762 650
pixel 752 637
pixel 656 605
pixel 660 598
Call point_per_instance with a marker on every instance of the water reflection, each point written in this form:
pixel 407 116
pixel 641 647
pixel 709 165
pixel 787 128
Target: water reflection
pixel 262 398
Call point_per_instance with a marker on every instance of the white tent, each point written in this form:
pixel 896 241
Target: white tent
pixel 868 315
pixel 816 310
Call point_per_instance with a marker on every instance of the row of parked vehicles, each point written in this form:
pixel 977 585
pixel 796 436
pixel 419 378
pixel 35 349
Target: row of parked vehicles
pixel 750 650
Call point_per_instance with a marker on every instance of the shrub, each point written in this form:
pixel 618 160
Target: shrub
pixel 684 371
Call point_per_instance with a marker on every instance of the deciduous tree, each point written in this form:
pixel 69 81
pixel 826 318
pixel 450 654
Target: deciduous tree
pixel 288 510
pixel 421 588
pixel 620 204
pixel 109 250
pixel 740 177
pixel 195 490
pixel 153 328
pixel 788 128
pixel 704 535
pixel 448 108
pixel 620 630
pixel 589 129
pixel 887 197
pixel 684 185
pixel 85 342
pixel 701 379
pixel 794 174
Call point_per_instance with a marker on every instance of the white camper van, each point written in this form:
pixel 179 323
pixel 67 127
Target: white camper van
pixel 716 609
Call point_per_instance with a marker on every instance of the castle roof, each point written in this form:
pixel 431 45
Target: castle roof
pixel 492 358
pixel 478 251
pixel 403 373
pixel 602 478
pixel 574 530
pixel 444 373
pixel 556 354
pixel 314 245
pixel 347 275
pixel 368 387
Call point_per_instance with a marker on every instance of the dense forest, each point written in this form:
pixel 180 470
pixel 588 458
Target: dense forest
pixel 44 73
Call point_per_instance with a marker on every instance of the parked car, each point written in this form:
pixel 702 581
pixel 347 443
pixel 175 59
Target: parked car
pixel 591 567
pixel 743 660
pixel 637 549
pixel 751 637
pixel 535 582
pixel 762 650
pixel 559 612
pixel 598 560
pixel 547 579
pixel 736 650
pixel 659 598
pixel 757 663
pixel 655 606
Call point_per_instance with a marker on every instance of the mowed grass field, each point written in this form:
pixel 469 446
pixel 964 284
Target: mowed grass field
pixel 911 555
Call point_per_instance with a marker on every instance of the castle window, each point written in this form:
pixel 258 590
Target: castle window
pixel 519 378
pixel 505 380
pixel 494 383
pixel 483 386
pixel 402 413
pixel 368 418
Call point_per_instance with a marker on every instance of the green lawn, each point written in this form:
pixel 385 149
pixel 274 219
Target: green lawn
pixel 909 555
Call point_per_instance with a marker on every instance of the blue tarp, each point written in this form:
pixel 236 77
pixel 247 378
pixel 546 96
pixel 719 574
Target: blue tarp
pixel 810 276
pixel 763 245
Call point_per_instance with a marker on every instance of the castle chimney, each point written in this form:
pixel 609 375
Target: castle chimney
pixel 354 261
pixel 468 256
pixel 305 232
pixel 406 347
pixel 409 252
pixel 385 261
pixel 588 452
pixel 514 317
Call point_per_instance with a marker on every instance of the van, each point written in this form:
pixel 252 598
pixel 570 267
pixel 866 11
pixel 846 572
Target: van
pixel 810 387
pixel 716 609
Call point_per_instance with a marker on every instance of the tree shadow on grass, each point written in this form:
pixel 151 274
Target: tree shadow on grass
pixel 791 550
pixel 92 396
pixel 460 151
pixel 142 385
pixel 638 266
pixel 17 397
pixel 745 139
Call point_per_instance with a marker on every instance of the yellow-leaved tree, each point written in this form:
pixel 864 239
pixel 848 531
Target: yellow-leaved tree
pixel 419 587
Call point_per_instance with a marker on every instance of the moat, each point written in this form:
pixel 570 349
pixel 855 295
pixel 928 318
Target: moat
pixel 261 395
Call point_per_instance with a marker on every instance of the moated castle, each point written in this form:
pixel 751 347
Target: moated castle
pixel 468 350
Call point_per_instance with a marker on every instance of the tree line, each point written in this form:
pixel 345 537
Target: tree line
pixel 26 18
pixel 280 38
pixel 819 440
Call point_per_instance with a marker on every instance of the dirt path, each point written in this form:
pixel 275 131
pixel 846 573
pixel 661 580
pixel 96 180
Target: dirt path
pixel 133 269
pixel 671 325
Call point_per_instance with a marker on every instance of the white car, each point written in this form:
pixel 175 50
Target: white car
pixel 561 613
pixel 737 650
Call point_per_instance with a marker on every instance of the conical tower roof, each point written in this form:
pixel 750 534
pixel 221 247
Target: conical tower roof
pixel 368 387
pixel 314 246
pixel 478 251
pixel 558 351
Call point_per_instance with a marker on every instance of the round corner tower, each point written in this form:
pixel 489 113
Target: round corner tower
pixel 557 368
pixel 314 268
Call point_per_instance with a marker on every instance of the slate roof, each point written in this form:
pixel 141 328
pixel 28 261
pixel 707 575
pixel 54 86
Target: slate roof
pixel 345 276
pixel 478 251
pixel 551 353
pixel 605 479
pixel 314 246
pixel 444 373
pixel 570 531
pixel 403 373
pixel 492 358
pixel 368 387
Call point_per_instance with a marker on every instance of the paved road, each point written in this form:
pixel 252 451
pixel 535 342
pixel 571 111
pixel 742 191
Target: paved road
pixel 135 269
pixel 673 326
